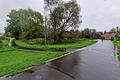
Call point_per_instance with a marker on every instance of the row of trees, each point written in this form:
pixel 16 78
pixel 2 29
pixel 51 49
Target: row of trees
pixel 60 18
pixel 91 34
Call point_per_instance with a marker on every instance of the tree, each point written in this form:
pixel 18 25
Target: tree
pixel 113 30
pixel 25 24
pixel 13 28
pixel 86 33
pixel 63 17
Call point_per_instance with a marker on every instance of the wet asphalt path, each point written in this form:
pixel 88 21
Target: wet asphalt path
pixel 96 62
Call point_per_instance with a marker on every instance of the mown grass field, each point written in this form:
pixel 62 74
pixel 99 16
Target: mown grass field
pixel 13 60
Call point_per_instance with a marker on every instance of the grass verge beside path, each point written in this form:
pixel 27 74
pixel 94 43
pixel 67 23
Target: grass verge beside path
pixel 117 43
pixel 77 45
pixel 14 60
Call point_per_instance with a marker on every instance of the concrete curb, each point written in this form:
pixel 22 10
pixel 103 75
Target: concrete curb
pixel 63 55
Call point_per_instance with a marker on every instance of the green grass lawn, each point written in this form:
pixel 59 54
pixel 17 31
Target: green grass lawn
pixel 13 60
pixel 79 44
pixel 117 43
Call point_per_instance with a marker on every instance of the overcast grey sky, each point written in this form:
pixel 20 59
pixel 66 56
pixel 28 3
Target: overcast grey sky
pixel 99 14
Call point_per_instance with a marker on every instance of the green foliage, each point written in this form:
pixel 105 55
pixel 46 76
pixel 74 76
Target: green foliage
pixel 117 43
pixel 72 35
pixel 91 33
pixel 0 42
pixel 1 38
pixel 24 24
pixel 63 17
pixel 36 41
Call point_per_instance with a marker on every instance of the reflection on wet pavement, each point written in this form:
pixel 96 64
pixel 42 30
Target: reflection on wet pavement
pixel 96 62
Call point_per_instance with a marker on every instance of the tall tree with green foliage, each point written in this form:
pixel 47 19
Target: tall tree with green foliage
pixel 25 24
pixel 13 28
pixel 63 16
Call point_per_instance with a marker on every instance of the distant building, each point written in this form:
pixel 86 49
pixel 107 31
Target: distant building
pixel 109 35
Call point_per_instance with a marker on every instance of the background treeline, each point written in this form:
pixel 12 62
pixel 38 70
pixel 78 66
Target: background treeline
pixel 59 24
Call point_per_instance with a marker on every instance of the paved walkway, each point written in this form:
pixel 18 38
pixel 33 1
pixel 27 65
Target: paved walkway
pixel 96 62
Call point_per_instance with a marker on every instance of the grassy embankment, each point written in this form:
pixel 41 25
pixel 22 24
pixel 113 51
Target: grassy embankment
pixel 13 60
pixel 79 44
pixel 117 43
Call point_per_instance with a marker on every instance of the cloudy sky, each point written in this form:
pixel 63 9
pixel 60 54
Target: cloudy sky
pixel 99 14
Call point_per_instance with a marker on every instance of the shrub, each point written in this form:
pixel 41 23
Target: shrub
pixel 1 37
pixel 0 43
pixel 74 40
pixel 36 41
pixel 50 41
